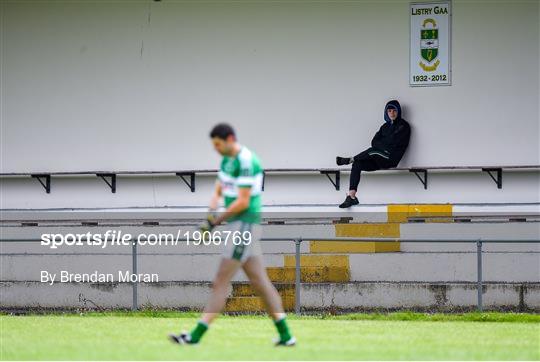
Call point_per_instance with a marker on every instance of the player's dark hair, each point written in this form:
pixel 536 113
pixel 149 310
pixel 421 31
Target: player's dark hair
pixel 222 131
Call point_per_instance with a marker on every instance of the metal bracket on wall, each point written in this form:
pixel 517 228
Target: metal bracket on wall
pixel 337 177
pixel 112 183
pixel 264 177
pixel 498 180
pixel 422 175
pixel 46 183
pixel 191 182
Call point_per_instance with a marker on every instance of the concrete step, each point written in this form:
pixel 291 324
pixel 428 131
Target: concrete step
pixel 445 267
pixel 320 246
pixel 401 213
pixel 254 304
pixel 309 274
pixel 374 230
pixel 244 304
pixel 290 213
pixel 246 290
pixel 318 260
pixel 245 299
pixel 470 231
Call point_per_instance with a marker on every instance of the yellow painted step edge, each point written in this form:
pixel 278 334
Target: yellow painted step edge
pixel 308 274
pixel 246 290
pixel 371 230
pixel 354 247
pixel 254 304
pixel 318 260
pixel 401 213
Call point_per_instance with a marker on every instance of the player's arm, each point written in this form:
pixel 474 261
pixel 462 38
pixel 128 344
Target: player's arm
pixel 216 197
pixel 210 221
pixel 238 206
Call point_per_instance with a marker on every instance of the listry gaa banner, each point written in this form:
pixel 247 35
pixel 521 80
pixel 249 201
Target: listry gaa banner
pixel 430 44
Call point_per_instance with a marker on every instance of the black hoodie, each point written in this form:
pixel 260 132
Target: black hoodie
pixel 393 137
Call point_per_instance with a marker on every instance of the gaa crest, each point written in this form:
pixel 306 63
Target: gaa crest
pixel 429 45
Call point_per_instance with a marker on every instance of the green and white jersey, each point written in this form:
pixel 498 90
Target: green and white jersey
pixel 243 170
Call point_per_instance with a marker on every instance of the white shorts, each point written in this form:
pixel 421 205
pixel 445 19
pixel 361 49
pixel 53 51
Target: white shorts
pixel 244 241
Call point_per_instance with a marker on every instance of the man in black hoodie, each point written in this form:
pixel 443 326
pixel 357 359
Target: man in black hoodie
pixel 387 149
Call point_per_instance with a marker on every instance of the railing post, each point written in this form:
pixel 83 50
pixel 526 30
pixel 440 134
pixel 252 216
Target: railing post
pixel 479 274
pixel 297 277
pixel 134 305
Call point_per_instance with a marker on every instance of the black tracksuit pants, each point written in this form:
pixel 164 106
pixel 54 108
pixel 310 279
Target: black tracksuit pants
pixel 368 160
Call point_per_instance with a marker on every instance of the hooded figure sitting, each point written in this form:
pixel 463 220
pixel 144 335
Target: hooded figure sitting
pixel 387 149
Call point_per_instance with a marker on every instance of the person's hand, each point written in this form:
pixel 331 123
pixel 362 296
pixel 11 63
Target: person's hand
pixel 209 223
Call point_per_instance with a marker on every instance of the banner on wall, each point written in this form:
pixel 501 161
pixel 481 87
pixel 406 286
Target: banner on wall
pixel 430 41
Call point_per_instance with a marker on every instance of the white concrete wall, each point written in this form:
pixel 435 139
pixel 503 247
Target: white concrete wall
pixel 136 85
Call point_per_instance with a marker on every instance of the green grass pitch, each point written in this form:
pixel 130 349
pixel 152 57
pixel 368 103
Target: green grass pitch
pixel 409 336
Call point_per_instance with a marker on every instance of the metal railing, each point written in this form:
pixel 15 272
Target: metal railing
pixel 298 241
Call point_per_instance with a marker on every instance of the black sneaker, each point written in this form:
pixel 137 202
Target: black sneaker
pixel 349 201
pixel 182 338
pixel 291 342
pixel 343 160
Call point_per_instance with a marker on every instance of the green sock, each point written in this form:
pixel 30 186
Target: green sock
pixel 283 329
pixel 197 332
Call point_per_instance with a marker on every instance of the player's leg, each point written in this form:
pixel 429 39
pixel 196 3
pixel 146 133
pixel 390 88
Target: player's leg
pixel 255 271
pixel 220 290
pixel 262 285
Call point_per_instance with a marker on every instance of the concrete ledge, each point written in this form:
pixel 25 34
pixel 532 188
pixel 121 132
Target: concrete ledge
pixel 316 296
pixel 419 296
